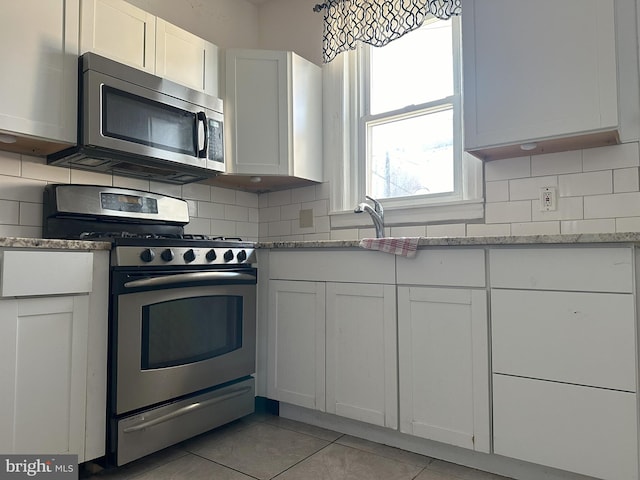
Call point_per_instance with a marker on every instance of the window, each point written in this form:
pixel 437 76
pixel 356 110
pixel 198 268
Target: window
pixel 411 114
pixel 393 130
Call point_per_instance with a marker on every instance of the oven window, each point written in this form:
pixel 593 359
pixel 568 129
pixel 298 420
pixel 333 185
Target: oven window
pixel 188 330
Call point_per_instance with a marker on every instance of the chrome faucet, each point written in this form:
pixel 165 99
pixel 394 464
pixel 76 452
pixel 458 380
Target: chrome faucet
pixel 377 214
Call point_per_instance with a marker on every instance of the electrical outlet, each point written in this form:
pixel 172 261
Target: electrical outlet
pixel 548 199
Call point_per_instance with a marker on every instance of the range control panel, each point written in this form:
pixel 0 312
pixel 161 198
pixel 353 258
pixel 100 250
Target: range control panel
pixel 128 256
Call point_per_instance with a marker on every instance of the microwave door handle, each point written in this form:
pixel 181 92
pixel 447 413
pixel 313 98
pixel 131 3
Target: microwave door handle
pixel 202 117
pixel 182 278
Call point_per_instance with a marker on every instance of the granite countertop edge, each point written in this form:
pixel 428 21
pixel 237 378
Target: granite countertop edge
pixel 579 238
pixel 54 244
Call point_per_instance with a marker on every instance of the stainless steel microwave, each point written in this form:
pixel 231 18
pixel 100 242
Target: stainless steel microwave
pixel 135 124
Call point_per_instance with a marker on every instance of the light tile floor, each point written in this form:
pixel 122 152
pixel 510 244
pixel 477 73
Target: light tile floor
pixel 266 447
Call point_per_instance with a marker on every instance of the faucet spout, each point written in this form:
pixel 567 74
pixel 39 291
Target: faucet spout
pixel 377 215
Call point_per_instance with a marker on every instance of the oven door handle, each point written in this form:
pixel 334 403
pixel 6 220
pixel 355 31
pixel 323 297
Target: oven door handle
pixel 189 278
pixel 187 409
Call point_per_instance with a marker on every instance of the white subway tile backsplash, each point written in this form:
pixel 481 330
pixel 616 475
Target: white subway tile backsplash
pixel 568 208
pixel 282 197
pixel 508 212
pixel 497 191
pixel 607 225
pixel 296 229
pixel 135 183
pixel 535 228
pixel 447 230
pixel 290 212
pixel 20 231
pixel 344 234
pixel 165 189
pixel 9 212
pixel 225 228
pixel 254 215
pixel 263 230
pixel 270 214
pixel 483 230
pixel 529 188
pixel 416 231
pixel 223 195
pixel 319 207
pixel 85 177
pixel 247 199
pixel 236 213
pixel 263 200
pixel 10 163
pixel 196 191
pixel 303 194
pixel 198 226
pixel 581 184
pixel 278 229
pixel 37 169
pixel 21 189
pixel 626 180
pixel 612 206
pixel 322 224
pixel 556 163
pixel 30 214
pixel 247 230
pixel 506 169
pixel 615 156
pixel 628 224
pixel 211 210
pixel 316 237
pixel 192 205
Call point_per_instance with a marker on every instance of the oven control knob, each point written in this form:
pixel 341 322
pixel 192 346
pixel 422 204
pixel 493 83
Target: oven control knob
pixel 211 255
pixel 228 255
pixel 167 255
pixel 147 255
pixel 242 255
pixel 189 256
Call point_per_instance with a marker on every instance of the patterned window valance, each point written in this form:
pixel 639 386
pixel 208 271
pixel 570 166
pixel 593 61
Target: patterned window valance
pixel 376 22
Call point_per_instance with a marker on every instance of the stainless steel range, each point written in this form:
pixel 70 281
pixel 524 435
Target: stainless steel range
pixel 182 323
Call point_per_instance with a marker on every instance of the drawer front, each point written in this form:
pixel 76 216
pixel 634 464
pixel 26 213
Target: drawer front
pixel 332 265
pixel 30 272
pixel 581 429
pixel 581 338
pixel 443 267
pixel 588 269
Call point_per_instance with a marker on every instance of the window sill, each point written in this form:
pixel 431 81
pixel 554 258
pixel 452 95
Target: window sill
pixel 453 212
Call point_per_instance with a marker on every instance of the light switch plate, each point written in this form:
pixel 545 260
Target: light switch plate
pixel 306 218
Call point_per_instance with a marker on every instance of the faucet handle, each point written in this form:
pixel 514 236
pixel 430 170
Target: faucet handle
pixel 377 206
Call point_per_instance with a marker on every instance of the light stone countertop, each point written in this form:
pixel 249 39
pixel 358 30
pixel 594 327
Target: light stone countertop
pixel 46 243
pixel 568 239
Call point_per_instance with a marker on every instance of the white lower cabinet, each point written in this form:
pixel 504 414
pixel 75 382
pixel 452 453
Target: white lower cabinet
pixel 296 333
pixel 362 353
pixel 53 324
pixel 444 365
pixel 43 355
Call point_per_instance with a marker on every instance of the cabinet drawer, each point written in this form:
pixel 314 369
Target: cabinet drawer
pixel 31 272
pixel 443 267
pixel 582 338
pixel 581 429
pixel 556 268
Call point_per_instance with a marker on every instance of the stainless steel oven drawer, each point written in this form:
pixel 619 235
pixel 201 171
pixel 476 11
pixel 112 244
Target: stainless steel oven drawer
pixel 152 430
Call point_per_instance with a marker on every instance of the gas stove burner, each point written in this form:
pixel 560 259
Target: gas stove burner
pixel 193 236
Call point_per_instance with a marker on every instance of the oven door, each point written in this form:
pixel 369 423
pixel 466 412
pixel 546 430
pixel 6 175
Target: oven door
pixel 178 333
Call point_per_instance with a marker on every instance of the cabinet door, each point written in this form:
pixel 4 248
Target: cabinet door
pixel 120 31
pixel 361 353
pixel 296 336
pixel 538 70
pixel 184 58
pixel 38 85
pixel 257 111
pixel 444 365
pixel 43 367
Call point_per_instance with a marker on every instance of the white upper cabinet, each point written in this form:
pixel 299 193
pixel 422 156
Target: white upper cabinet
pixel 273 112
pixel 116 29
pixel 185 58
pixel 120 31
pixel 38 85
pixel 540 72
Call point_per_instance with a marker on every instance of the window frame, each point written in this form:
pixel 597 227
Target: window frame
pixel 346 163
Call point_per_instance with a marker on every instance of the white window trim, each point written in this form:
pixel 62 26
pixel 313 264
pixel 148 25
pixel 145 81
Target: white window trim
pixel 344 165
